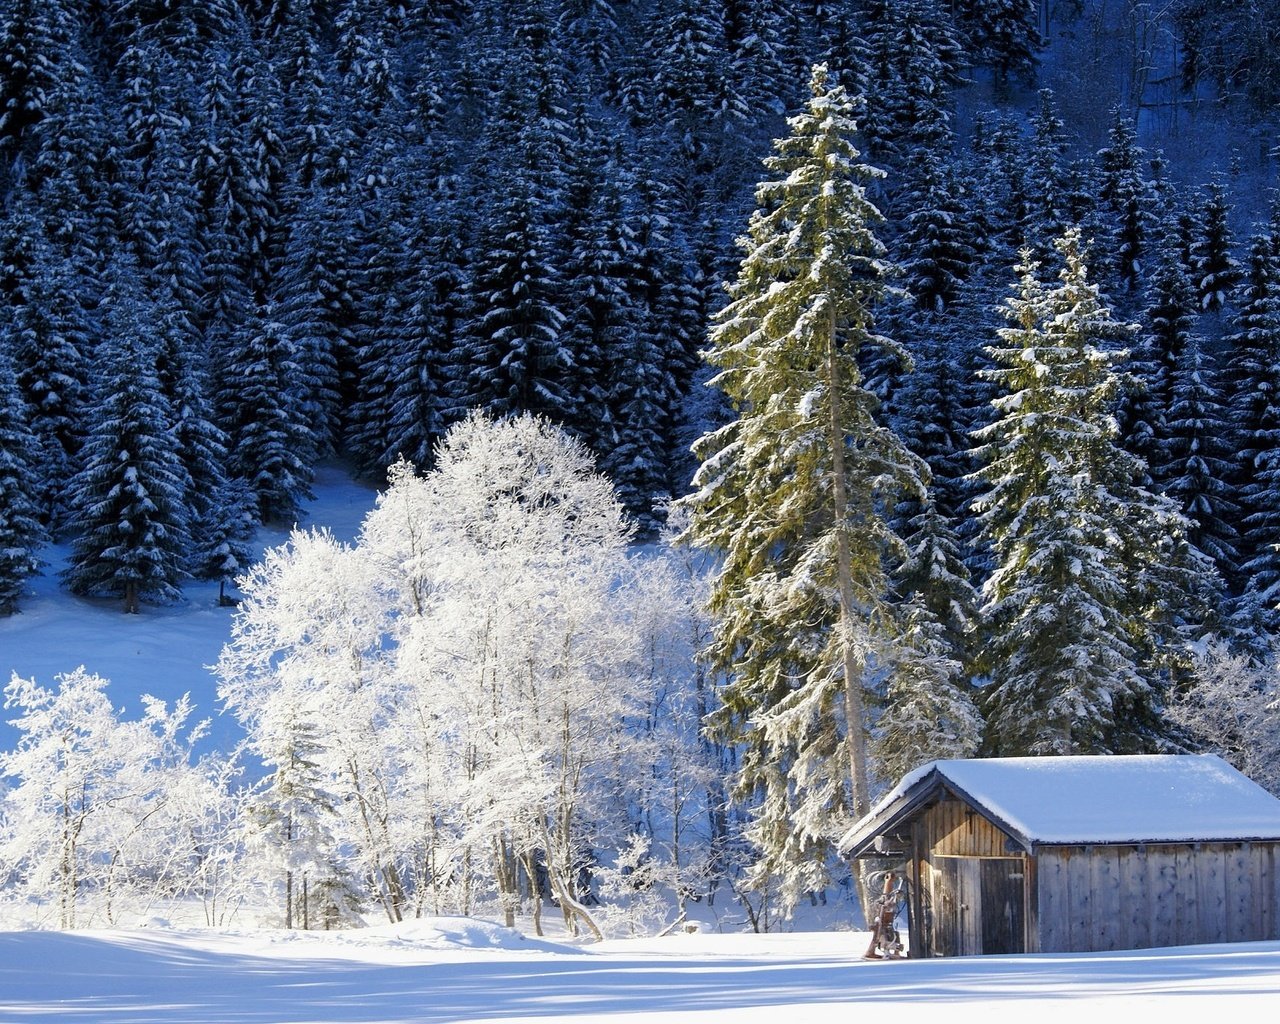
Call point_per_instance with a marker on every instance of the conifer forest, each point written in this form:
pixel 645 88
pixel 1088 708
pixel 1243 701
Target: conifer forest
pixel 765 397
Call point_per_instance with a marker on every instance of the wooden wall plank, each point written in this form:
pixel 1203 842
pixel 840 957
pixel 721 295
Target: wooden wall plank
pixel 1135 932
pixel 1241 911
pixel 1079 900
pixel 1162 876
pixel 1051 884
pixel 1106 897
pixel 1184 897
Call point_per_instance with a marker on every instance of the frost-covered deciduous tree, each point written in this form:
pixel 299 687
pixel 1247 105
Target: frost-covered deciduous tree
pixel 524 544
pixel 448 707
pixel 96 808
pixel 304 674
pixel 1231 707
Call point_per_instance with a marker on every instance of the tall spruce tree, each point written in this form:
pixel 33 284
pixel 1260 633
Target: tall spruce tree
pixel 1253 382
pixel 1127 199
pixel 1215 269
pixel 1077 606
pixel 130 513
pixel 21 533
pixel 270 443
pixel 1198 462
pixel 792 492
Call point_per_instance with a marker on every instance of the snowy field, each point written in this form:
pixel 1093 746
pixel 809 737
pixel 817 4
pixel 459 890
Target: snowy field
pixel 457 970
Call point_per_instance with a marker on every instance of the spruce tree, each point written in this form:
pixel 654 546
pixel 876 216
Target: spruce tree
pixel 130 516
pixel 1084 555
pixel 1127 198
pixel 1215 269
pixel 21 533
pixel 792 491
pixel 1169 321
pixel 1253 382
pixel 1198 459
pixel 49 344
pixel 1003 34
pixel 936 243
pixel 269 442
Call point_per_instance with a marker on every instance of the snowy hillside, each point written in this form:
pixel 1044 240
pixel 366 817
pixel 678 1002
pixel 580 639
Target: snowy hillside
pixel 163 651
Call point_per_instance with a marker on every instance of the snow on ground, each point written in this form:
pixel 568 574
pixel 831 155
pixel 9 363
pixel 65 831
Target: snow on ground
pixel 460 970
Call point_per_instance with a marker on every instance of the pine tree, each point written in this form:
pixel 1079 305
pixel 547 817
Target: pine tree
pixel 1169 321
pixel 21 534
pixel 791 490
pixel 597 267
pixel 1198 460
pixel 1077 603
pixel 512 358
pixel 222 546
pixel 1003 34
pixel 1049 212
pixel 1253 382
pixel 688 64
pixel 1215 269
pixel 268 439
pixel 1126 196
pixel 130 516
pixel 914 63
pixel 49 343
pixel 936 246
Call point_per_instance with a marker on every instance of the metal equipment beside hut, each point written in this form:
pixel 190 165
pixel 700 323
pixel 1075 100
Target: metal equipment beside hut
pixel 1079 854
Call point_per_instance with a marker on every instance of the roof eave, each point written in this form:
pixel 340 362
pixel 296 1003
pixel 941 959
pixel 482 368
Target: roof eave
pixel 861 837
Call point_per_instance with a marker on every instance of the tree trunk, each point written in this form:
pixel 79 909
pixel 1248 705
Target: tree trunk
pixel 854 703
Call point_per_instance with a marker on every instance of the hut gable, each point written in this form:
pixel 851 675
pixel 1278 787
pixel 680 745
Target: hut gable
pixel 1058 854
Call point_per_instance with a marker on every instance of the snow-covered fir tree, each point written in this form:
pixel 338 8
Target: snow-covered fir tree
pixel 130 516
pixel 21 533
pixel 1253 384
pixel 791 492
pixel 1214 266
pixel 1081 549
pixel 269 442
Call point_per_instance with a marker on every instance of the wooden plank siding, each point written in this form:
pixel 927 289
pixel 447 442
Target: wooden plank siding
pixel 966 875
pixel 1137 897
pixel 954 829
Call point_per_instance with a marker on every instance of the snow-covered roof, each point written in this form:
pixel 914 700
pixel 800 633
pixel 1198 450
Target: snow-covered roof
pixel 1158 798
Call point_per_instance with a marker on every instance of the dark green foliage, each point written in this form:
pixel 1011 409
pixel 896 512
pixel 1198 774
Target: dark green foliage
pixel 269 442
pixel 1213 266
pixel 21 534
pixel 129 514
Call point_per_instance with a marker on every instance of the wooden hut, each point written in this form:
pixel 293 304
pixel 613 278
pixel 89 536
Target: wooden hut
pixel 1075 854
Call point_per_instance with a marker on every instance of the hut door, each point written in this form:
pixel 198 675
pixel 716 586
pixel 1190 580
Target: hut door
pixel 968 883
pixel 1002 906
pixel 986 899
